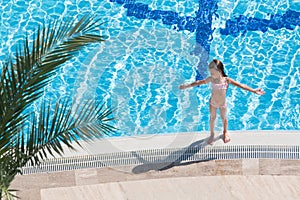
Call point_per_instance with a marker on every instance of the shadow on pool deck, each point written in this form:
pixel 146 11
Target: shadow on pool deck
pixel 163 164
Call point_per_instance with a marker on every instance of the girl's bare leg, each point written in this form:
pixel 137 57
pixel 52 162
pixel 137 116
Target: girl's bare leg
pixel 223 112
pixel 213 115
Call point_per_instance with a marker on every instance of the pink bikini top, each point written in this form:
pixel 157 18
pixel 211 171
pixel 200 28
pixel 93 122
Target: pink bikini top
pixel 220 86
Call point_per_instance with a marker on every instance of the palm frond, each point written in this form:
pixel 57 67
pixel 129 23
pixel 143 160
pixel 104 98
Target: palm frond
pixel 21 83
pixel 23 78
pixel 8 170
pixel 65 125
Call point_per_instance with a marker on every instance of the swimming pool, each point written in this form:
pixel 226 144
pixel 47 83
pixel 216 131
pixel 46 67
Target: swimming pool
pixel 154 46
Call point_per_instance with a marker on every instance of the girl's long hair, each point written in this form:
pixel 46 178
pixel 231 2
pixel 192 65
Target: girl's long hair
pixel 220 67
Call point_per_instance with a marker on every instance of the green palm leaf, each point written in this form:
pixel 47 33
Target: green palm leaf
pixel 22 81
pixel 65 125
pixel 29 137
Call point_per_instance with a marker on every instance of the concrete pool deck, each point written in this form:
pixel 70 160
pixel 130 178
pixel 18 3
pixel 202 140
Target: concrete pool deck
pixel 200 179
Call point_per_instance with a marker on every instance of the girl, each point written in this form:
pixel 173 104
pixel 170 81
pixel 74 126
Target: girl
pixel 219 82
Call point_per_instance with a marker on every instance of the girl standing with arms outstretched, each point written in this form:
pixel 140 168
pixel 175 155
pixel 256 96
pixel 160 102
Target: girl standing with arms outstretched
pixel 219 81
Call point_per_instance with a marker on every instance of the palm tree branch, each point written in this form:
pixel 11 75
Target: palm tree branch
pixel 51 48
pixel 21 83
pixel 50 130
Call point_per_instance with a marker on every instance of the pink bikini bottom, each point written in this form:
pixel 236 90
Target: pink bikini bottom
pixel 215 106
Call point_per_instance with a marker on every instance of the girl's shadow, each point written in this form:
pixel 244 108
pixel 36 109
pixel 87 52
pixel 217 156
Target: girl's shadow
pixel 176 158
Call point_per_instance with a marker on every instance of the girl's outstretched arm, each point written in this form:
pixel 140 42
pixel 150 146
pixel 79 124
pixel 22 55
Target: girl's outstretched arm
pixel 246 87
pixel 196 83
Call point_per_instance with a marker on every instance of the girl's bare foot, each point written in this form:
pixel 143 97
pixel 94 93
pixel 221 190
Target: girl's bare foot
pixel 226 137
pixel 211 139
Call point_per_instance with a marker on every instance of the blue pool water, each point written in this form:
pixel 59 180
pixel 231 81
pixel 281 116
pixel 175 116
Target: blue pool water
pixel 154 46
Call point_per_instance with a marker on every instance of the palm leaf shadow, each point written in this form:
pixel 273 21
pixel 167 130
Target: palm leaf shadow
pixel 183 159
